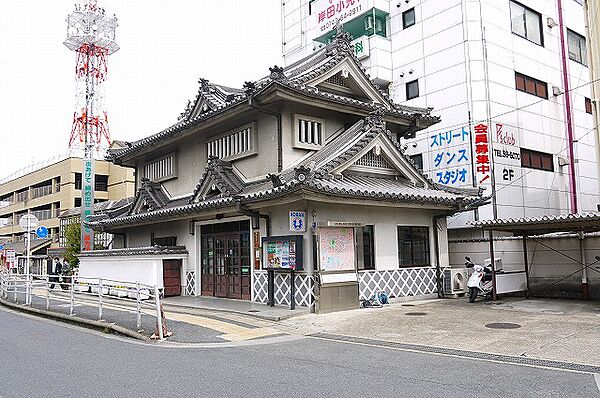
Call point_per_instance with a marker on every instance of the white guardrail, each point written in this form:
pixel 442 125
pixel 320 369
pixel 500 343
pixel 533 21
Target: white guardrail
pixel 46 286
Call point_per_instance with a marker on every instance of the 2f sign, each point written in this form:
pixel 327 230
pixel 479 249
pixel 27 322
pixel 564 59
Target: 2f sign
pixel 508 174
pixel 297 221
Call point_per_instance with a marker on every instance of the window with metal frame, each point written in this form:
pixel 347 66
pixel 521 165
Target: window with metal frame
pixel 577 47
pixel 412 90
pixel 408 18
pixel 234 144
pixel 161 169
pixel 537 160
pixel 526 23
pixel 413 247
pixel 101 182
pixel 531 86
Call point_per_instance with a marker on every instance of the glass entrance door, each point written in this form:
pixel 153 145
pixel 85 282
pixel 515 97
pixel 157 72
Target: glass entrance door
pixel 225 265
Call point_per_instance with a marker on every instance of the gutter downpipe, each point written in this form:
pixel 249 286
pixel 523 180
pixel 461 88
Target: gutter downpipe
pixel 438 266
pixel 277 116
pixel 568 114
pixel 250 213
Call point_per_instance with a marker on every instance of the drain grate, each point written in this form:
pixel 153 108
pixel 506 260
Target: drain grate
pixel 416 313
pixel 502 325
pixel 253 311
pixel 408 305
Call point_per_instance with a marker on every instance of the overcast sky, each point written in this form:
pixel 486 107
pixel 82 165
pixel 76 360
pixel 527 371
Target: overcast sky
pixel 165 47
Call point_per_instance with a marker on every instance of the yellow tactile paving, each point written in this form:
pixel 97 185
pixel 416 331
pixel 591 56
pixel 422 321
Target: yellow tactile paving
pixel 231 331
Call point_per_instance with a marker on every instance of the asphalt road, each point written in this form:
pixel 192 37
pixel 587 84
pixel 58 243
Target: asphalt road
pixel 41 358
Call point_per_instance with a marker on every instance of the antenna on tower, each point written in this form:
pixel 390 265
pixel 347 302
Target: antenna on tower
pixel 91 35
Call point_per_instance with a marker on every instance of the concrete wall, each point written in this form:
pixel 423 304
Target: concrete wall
pixel 547 267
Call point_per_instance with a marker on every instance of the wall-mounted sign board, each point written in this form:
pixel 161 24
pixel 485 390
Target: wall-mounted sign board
pixel 336 249
pixel 282 252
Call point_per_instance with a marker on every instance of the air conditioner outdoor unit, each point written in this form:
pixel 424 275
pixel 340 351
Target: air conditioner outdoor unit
pixel 455 281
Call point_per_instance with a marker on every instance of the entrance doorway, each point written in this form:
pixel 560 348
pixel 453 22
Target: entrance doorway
pixel 226 260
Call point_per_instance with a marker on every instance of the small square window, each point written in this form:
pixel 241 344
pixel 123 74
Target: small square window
pixel 408 18
pixel 588 106
pixel 412 90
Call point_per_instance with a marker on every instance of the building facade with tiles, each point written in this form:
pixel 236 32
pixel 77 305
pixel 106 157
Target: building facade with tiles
pixel 511 82
pixel 300 170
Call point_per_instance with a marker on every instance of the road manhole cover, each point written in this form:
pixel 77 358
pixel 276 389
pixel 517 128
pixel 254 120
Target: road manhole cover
pixel 416 313
pixel 502 325
pixel 253 311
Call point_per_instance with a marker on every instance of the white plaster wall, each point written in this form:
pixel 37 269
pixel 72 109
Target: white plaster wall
pixel 146 270
pixel 385 221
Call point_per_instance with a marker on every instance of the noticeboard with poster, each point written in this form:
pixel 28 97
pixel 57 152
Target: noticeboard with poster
pixel 282 253
pixel 336 249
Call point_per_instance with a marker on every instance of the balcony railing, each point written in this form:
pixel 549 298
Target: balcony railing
pixel 21 196
pixel 6 222
pixel 38 192
pixel 43 214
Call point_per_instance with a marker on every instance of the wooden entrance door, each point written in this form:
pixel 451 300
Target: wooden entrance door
pixel 226 259
pixel 172 277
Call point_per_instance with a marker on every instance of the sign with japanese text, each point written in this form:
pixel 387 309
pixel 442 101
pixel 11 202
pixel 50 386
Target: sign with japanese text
pixel 507 154
pixel 11 258
pixel 87 204
pixel 336 249
pixel 329 12
pixel 451 157
pixel 282 252
pixel 482 153
pixel 361 47
pixel 297 221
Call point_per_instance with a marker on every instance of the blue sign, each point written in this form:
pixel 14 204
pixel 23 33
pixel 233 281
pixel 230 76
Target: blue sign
pixel 1 247
pixel 41 232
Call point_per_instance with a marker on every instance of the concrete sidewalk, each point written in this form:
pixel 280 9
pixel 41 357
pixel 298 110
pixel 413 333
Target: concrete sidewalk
pixel 242 307
pixel 558 330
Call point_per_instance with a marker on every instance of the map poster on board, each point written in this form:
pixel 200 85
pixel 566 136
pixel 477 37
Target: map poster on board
pixel 336 249
pixel 283 252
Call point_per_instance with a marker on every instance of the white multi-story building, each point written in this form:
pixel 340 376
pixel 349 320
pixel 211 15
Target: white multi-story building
pixel 509 80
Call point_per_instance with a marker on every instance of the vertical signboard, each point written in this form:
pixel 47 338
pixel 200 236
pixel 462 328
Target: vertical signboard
pixel 87 204
pixel 482 154
pixel 450 157
pixel 507 154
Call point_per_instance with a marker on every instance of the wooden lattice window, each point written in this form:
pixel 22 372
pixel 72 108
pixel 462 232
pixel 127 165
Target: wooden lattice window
pixel 370 159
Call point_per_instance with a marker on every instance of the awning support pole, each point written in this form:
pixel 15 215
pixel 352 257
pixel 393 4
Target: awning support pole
pixel 526 262
pixel 493 265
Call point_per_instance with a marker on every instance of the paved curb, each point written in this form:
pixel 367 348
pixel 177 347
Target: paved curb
pixel 99 325
pixel 258 315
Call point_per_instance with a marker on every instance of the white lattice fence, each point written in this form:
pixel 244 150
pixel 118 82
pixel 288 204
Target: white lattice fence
pixel 304 288
pixel 397 282
pixel 190 283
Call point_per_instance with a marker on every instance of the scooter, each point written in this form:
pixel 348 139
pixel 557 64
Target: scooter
pixel 480 280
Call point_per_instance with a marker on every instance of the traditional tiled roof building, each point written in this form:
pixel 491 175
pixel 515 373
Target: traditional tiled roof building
pixel 300 170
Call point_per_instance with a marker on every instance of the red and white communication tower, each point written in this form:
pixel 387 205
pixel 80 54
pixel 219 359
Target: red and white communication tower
pixel 91 35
